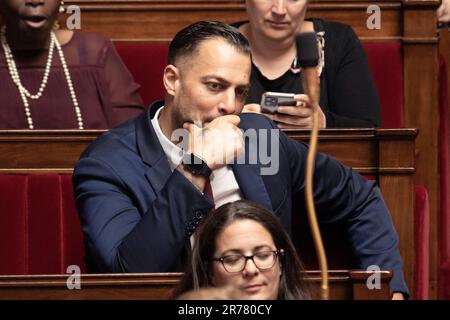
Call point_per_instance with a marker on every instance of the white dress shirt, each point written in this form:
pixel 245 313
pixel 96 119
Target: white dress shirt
pixel 223 182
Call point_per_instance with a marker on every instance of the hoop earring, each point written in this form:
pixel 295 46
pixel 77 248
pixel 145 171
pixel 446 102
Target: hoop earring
pixel 61 7
pixel 56 25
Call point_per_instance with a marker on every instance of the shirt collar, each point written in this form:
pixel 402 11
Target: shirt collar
pixel 173 152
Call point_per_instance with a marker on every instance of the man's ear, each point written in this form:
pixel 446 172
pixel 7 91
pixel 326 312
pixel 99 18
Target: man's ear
pixel 170 79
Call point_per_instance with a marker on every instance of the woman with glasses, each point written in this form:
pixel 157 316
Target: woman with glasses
pixel 348 97
pixel 243 248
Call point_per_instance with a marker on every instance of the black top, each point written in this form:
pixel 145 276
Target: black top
pixel 348 96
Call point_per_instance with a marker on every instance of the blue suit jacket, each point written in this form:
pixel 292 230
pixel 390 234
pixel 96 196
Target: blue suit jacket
pixel 137 215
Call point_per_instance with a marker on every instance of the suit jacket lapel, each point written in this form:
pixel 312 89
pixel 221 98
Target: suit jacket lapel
pixel 248 176
pixel 151 151
pixel 251 184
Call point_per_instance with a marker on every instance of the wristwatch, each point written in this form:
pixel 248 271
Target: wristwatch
pixel 196 165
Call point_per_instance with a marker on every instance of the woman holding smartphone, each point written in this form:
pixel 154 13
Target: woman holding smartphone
pixel 348 94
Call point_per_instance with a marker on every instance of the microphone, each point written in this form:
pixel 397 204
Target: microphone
pixel 308 58
pixel 307 52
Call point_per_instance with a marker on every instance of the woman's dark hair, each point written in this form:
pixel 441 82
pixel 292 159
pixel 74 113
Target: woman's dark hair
pixel 199 272
pixel 187 40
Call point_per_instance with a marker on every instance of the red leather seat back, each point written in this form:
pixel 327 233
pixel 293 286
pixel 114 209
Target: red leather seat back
pixel 146 62
pixel 444 181
pixel 386 64
pixel 39 225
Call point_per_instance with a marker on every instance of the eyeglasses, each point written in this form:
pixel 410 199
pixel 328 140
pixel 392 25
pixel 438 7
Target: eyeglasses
pixel 236 262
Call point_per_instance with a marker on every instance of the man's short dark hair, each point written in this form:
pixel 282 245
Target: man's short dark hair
pixel 188 39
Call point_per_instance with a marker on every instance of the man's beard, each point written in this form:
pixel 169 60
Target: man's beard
pixel 180 118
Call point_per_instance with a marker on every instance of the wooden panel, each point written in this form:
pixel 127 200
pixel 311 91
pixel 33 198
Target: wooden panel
pixel 421 105
pixel 396 161
pixel 159 20
pixel 344 285
pixel 400 202
pixel 338 142
pixel 23 151
pixel 355 14
pixel 60 149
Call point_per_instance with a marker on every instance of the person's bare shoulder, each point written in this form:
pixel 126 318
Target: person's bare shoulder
pixel 64 36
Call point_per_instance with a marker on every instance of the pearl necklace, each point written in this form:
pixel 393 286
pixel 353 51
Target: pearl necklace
pixel 24 93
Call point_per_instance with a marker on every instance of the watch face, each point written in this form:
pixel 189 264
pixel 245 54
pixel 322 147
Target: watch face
pixel 194 163
pixel 197 167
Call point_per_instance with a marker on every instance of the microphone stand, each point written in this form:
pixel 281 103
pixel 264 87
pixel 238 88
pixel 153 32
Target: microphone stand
pixel 309 57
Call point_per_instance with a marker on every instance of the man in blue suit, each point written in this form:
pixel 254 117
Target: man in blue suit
pixel 141 187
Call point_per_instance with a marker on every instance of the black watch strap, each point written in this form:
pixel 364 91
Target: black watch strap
pixel 196 165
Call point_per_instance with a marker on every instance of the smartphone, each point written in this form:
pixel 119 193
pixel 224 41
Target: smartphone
pixel 271 100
